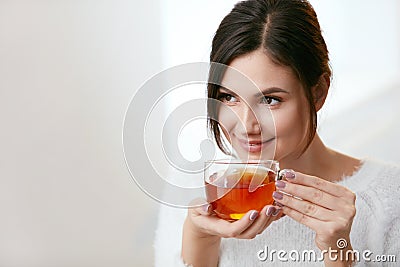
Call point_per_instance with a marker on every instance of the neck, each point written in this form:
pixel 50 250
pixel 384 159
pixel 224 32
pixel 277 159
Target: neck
pixel 318 160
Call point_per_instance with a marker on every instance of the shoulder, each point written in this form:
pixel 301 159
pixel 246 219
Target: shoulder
pixel 386 187
pixel 385 176
pixel 377 187
pixel 376 184
pixel 385 183
pixel 374 175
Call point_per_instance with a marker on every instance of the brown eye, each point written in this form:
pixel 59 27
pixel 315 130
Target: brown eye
pixel 227 98
pixel 271 101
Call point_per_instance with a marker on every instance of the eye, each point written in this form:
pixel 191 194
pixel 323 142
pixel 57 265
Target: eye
pixel 227 98
pixel 270 101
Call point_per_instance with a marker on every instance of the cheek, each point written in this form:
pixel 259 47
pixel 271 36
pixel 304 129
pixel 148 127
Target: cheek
pixel 227 120
pixel 291 124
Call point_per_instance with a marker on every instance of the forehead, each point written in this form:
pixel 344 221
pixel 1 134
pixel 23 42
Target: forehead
pixel 255 71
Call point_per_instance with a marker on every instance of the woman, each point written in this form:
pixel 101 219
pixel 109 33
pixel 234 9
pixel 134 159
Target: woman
pixel 326 196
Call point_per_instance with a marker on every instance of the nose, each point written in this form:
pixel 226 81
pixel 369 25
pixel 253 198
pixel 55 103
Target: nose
pixel 249 123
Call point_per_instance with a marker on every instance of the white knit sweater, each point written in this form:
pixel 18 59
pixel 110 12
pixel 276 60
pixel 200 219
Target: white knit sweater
pixel 376 227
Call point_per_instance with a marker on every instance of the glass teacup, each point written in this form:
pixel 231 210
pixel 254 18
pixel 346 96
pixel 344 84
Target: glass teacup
pixel 233 187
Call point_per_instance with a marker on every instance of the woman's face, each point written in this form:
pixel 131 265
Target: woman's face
pixel 267 122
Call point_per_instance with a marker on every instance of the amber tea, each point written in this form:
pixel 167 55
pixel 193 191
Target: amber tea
pixel 234 190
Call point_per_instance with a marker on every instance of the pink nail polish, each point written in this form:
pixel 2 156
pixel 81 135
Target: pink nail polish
pixel 280 184
pixel 207 208
pixel 277 195
pixel 276 212
pixel 270 211
pixel 289 174
pixel 253 215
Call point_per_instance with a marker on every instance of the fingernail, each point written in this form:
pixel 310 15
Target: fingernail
pixel 277 195
pixel 289 173
pixel 280 184
pixel 253 215
pixel 270 211
pixel 207 208
pixel 276 212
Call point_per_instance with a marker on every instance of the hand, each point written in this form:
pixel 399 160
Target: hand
pixel 203 230
pixel 325 207
pixel 204 223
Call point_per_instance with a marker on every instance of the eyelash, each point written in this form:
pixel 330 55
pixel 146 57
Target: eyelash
pixel 222 97
pixel 273 98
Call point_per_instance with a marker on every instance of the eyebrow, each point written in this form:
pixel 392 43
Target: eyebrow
pixel 271 90
pixel 265 91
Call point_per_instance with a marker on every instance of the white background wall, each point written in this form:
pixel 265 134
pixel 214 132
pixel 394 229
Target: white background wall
pixel 68 70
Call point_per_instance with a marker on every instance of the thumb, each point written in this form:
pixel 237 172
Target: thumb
pixel 205 209
pixel 201 207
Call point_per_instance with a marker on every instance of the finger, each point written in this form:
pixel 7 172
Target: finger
pixel 311 194
pixel 304 207
pixel 269 210
pixel 205 209
pixel 302 218
pixel 256 227
pixel 275 215
pixel 321 184
pixel 263 220
pixel 199 206
pixel 216 226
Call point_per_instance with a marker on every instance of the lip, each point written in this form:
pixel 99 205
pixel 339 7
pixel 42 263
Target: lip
pixel 254 146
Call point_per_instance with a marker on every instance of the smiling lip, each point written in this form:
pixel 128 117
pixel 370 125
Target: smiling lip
pixel 253 146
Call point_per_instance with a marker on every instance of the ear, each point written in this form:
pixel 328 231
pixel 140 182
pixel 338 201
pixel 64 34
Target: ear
pixel 320 91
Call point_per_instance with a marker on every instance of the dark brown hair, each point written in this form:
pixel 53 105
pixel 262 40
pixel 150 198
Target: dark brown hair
pixel 287 30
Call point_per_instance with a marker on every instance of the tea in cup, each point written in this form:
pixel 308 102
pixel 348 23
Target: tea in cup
pixel 234 187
